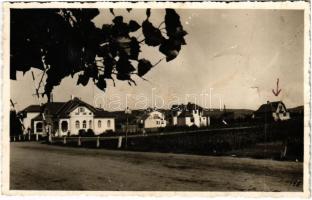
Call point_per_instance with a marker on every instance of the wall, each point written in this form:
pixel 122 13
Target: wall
pixel 104 125
pixel 76 115
pixel 35 131
pixel 153 121
pixel 60 132
pixel 27 121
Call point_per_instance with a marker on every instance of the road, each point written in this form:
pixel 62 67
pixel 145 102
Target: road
pixel 36 166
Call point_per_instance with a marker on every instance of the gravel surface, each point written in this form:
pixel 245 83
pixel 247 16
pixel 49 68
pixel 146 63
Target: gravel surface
pixel 36 166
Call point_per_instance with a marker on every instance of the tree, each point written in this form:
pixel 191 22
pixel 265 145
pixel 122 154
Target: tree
pixel 15 124
pixel 63 42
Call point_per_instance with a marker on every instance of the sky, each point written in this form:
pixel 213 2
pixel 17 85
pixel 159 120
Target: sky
pixel 232 58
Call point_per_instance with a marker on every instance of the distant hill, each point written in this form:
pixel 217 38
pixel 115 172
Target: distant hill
pixel 238 113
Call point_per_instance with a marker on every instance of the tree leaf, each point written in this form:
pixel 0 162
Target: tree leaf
pixel 92 71
pixel 143 67
pixel 120 28
pixel 134 49
pixel 133 26
pixel 148 12
pixel 123 77
pixel 111 10
pixel 101 83
pixel 170 48
pixel 173 24
pixel 109 63
pixel 153 36
pixel 124 66
pixel 83 79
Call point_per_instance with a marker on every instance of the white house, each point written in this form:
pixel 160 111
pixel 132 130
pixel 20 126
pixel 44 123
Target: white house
pixel 275 111
pixel 28 114
pixel 189 115
pixel 153 119
pixel 67 118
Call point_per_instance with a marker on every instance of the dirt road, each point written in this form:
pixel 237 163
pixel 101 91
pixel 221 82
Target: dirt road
pixel 36 166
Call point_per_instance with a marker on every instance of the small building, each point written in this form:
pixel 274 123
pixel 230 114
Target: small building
pixel 272 111
pixel 189 115
pixel 153 119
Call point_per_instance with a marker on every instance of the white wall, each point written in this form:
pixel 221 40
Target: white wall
pixel 39 132
pixel 27 120
pixel 155 119
pixel 104 125
pixel 76 115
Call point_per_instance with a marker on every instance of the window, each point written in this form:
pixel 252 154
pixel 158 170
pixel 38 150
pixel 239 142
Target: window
pixel 90 124
pixel 108 123
pixel 39 127
pixel 64 126
pixel 81 109
pixel 84 124
pixel 192 120
pixel 77 124
pixel 99 123
pixel 157 122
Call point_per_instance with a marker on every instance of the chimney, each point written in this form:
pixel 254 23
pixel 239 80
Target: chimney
pixel 268 102
pixel 71 97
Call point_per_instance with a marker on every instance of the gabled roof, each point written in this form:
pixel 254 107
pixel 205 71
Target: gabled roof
pixel 99 113
pixel 32 108
pixel 53 107
pixel 269 107
pixel 71 105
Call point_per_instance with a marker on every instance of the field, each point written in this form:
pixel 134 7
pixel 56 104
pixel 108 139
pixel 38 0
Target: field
pixel 36 166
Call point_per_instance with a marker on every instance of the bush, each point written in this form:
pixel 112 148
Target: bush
pixel 82 132
pixel 110 131
pixel 90 133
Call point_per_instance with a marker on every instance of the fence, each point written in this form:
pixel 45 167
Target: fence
pixel 277 141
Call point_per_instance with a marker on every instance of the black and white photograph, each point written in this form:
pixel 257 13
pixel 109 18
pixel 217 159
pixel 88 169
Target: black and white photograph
pixel 160 97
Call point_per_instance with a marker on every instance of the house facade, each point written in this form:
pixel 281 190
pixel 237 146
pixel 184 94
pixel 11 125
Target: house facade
pixel 272 111
pixel 189 115
pixel 153 119
pixel 28 114
pixel 68 118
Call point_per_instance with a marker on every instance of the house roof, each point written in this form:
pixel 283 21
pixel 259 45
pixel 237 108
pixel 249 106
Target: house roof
pixel 53 107
pixel 99 113
pixel 32 108
pixel 188 106
pixel 69 106
pixel 38 118
pixel 185 113
pixel 269 107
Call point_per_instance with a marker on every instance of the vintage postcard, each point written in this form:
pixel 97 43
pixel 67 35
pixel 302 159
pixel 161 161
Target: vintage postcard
pixel 156 98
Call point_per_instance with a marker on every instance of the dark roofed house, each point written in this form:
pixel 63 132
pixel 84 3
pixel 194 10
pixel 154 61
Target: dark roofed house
pixel 272 111
pixel 68 118
pixel 188 115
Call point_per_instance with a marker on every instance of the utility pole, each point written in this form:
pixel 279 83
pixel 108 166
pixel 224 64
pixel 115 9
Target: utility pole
pixel 127 112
